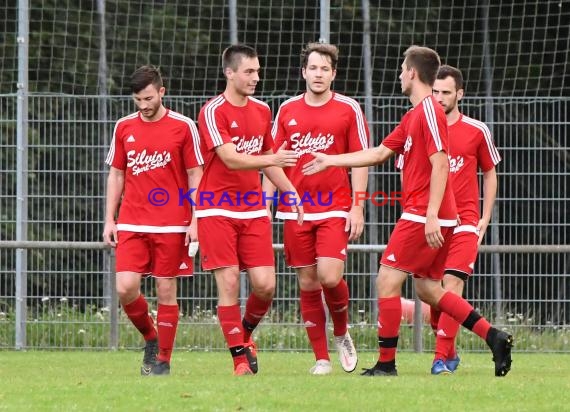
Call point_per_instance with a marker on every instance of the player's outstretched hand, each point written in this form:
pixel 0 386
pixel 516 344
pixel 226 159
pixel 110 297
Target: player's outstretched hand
pixel 285 158
pixel 318 164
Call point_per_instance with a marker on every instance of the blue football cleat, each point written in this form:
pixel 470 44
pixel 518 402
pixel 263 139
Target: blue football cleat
pixel 453 364
pixel 439 368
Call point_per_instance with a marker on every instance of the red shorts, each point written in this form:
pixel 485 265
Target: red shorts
pixel 226 241
pixel 314 239
pixel 462 253
pixel 408 251
pixel 161 255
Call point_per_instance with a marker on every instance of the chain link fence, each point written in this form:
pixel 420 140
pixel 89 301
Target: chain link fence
pixel 64 299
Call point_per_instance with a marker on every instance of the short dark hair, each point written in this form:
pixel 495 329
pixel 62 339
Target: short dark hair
pixel 233 54
pixel 446 71
pixel 325 49
pixel 145 75
pixel 426 62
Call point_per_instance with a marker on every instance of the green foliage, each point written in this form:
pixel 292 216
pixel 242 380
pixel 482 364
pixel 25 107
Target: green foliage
pixel 527 55
pixel 64 326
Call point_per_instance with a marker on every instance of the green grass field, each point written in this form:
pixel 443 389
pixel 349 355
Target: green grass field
pixel 97 381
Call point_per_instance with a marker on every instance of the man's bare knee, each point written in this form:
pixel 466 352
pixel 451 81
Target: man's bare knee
pixel 128 287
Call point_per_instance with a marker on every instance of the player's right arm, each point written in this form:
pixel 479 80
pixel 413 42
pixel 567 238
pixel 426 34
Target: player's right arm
pixel 115 186
pixel 368 157
pixel 241 161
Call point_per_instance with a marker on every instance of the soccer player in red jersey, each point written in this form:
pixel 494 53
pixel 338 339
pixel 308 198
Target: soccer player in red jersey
pixel 471 148
pixel 420 240
pixel 154 154
pixel 321 120
pixel 233 225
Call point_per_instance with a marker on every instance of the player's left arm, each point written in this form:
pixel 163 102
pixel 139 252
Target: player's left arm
pixel 488 157
pixel 358 136
pixel 267 186
pixel 438 181
pixel 269 189
pixel 355 219
pixel 193 163
pixel 489 195
pixel 194 178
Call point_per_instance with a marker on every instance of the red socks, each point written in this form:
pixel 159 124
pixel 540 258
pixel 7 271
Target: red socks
pixel 460 310
pixel 313 314
pixel 337 302
pixel 255 310
pixel 137 311
pixel 445 337
pixel 434 316
pixel 389 319
pixel 167 322
pixel 230 322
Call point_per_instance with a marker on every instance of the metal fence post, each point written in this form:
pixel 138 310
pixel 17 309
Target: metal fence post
pixel 113 303
pixel 372 211
pixel 243 295
pixel 325 15
pixel 489 117
pixel 418 324
pixel 232 5
pixel 22 173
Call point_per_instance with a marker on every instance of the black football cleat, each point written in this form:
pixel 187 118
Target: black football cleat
pixel 149 357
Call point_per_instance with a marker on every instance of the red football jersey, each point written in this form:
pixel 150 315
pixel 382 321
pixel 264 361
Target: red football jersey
pixel 421 133
pixel 155 157
pixel 337 127
pixel 470 147
pixel 225 192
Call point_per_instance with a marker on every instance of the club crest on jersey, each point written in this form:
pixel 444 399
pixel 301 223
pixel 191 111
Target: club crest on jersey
pixel 306 143
pixel 455 164
pixel 252 145
pixel 143 162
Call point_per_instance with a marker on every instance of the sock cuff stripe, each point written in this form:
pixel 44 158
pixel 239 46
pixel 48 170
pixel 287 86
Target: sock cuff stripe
pixel 237 351
pixel 471 320
pixel 384 342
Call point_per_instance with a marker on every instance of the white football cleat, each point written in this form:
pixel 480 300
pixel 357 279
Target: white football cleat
pixel 346 352
pixel 322 367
